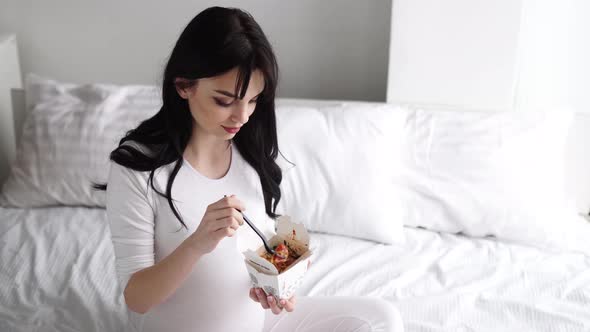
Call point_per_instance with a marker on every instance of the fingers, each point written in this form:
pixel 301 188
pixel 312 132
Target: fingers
pixel 288 305
pixel 253 295
pixel 227 217
pixel 262 298
pixel 269 301
pixel 223 222
pixel 223 213
pixel 228 202
pixel 232 214
pixel 274 307
pixel 223 232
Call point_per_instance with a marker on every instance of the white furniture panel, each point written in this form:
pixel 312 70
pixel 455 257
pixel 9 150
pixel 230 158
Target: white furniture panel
pixel 454 52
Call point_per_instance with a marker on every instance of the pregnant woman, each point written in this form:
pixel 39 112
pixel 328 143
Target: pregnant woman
pixel 178 181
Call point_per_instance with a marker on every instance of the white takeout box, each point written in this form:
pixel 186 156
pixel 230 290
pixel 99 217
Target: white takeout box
pixel 266 276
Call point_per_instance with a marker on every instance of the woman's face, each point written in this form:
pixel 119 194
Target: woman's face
pixel 215 109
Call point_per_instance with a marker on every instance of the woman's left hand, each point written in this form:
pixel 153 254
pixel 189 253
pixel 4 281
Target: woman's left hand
pixel 269 302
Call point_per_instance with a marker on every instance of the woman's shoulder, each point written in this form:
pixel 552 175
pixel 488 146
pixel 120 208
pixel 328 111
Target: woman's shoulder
pixel 125 164
pixel 147 150
pixel 122 174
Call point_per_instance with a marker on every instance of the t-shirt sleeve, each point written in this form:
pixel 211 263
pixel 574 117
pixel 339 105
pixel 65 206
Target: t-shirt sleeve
pixel 131 221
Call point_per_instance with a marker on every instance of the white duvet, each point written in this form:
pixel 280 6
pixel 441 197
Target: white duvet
pixel 454 283
pixel 57 274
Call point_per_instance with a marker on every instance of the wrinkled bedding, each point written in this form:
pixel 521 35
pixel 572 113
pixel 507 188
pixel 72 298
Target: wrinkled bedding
pixel 57 274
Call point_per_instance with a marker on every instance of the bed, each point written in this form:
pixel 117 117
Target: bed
pixel 57 274
pixel 57 271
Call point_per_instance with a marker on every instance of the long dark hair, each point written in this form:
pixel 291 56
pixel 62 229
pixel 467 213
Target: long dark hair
pixel 214 42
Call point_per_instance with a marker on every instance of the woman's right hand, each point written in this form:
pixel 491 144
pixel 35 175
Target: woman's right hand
pixel 221 219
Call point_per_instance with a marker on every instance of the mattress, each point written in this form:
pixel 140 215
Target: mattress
pixel 57 274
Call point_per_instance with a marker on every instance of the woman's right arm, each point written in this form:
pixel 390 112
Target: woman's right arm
pixel 152 285
pixel 131 221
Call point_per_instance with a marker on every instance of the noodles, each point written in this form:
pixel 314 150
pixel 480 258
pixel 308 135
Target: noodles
pixel 283 257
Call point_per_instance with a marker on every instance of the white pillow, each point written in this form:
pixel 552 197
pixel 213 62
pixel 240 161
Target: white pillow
pixel 346 158
pixel 491 173
pixel 67 136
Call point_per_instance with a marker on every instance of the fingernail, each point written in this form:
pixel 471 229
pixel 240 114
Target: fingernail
pixel 283 302
pixel 270 299
pixel 258 291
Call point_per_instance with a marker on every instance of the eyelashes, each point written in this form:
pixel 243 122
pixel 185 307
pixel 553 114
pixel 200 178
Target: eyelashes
pixel 222 104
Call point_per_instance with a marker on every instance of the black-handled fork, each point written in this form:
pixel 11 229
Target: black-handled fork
pixel 264 240
pixel 258 232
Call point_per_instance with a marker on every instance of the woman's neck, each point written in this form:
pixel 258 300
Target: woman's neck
pixel 208 155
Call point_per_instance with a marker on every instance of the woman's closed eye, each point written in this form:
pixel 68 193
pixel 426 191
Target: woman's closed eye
pixel 223 103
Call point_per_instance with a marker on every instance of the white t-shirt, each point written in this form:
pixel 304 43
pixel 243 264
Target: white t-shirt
pixel 144 230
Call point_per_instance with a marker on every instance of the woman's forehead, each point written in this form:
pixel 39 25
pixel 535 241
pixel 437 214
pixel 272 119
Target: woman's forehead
pixel 227 82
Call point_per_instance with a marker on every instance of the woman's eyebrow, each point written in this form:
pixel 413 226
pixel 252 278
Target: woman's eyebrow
pixel 231 95
pixel 226 93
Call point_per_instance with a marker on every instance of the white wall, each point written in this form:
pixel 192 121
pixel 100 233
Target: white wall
pixel 333 49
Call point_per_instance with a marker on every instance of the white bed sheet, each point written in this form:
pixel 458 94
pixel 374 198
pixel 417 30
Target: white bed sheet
pixel 447 282
pixel 57 274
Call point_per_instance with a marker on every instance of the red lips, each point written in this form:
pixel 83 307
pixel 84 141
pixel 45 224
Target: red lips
pixel 231 130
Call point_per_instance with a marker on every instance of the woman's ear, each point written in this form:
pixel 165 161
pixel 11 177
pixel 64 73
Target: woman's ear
pixel 183 86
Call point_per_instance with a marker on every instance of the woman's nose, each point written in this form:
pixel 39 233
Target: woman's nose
pixel 241 113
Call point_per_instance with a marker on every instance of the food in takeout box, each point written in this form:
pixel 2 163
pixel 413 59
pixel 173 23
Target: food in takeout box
pixel 282 258
pixel 281 274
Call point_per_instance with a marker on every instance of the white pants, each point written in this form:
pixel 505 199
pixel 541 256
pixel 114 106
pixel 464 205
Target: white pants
pixel 336 314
